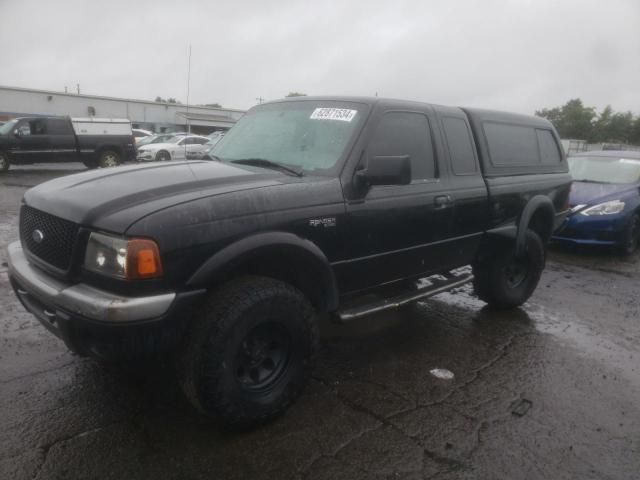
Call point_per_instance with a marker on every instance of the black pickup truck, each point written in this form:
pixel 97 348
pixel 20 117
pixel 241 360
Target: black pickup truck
pixel 96 142
pixel 316 205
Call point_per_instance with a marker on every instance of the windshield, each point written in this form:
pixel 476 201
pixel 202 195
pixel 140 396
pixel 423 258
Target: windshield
pixel 159 139
pixel 311 135
pixel 6 128
pixel 605 169
pixel 146 140
pixel 174 139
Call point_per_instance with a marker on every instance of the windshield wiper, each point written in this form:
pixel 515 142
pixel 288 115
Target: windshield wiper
pixel 263 162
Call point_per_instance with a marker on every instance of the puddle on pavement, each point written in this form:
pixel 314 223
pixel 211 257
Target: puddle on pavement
pixel 566 327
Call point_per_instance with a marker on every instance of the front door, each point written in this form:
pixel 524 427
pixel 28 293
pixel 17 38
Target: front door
pixel 31 142
pixel 399 231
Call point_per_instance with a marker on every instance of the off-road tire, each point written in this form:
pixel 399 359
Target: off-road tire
pixel 163 156
pixel 108 159
pixel 631 236
pixel 210 365
pixel 4 162
pixel 504 281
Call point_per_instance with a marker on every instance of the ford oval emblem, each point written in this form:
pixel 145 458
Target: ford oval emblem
pixel 37 236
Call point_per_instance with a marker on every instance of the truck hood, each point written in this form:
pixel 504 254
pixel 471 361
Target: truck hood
pixel 113 199
pixel 592 193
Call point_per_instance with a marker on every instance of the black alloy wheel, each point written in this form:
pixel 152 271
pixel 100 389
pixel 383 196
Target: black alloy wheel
pixel 263 357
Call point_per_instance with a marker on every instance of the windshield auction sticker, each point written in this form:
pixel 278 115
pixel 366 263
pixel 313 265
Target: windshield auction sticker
pixel 342 114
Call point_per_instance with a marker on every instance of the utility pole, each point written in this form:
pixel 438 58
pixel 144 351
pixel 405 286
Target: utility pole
pixel 260 99
pixel 78 87
pixel 188 89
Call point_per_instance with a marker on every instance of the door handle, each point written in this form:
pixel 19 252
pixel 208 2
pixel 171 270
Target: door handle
pixel 443 201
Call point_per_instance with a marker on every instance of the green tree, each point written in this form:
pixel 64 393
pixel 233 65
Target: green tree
pixel 572 120
pixel 620 128
pixel 634 135
pixel 214 105
pixel 296 94
pixel 602 125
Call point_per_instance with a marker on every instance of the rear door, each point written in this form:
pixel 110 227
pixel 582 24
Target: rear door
pixel 399 231
pixel 62 139
pixel 467 186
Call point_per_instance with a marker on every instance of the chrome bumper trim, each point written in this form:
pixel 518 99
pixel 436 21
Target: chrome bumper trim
pixel 81 299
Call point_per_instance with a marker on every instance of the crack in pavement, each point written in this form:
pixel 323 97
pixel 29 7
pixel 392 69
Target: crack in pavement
pixel 475 374
pixel 39 372
pixel 451 463
pixel 46 448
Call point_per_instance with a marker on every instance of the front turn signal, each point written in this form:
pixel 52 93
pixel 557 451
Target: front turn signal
pixel 143 259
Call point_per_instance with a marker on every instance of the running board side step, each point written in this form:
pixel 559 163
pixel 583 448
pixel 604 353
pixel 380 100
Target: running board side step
pixel 435 287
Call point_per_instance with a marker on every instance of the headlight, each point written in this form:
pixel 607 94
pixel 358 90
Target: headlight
pixel 606 208
pixel 117 257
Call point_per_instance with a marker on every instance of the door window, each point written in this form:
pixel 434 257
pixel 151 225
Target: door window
pixel 406 133
pixel 24 129
pixel 461 149
pixel 38 127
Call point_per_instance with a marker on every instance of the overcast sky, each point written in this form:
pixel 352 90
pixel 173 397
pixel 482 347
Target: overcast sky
pixel 514 55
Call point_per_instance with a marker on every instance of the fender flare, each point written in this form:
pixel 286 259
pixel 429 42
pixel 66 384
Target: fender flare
pixel 539 202
pixel 224 260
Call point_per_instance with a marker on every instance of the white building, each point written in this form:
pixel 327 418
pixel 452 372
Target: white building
pixel 154 116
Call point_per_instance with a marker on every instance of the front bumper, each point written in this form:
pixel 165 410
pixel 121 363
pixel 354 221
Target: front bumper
pixel 94 321
pixel 580 230
pixel 145 156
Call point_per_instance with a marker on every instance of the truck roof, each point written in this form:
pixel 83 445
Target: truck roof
pixel 478 114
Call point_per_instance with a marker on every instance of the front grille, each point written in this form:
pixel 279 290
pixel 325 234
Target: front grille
pixel 57 236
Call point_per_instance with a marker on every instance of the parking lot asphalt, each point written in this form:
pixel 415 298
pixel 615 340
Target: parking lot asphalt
pixel 548 391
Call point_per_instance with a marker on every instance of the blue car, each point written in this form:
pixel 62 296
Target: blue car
pixel 604 201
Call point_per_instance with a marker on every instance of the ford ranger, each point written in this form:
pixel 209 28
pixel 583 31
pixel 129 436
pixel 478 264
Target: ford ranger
pixel 340 206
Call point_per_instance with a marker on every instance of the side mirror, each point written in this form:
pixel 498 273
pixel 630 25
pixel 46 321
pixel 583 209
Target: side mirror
pixel 386 170
pixel 17 133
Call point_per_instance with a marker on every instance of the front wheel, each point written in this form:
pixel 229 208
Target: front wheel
pixel 108 158
pixel 249 352
pixel 4 162
pixel 504 279
pixel 163 156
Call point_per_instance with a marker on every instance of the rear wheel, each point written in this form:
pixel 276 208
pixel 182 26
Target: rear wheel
pixel 250 351
pixel 631 236
pixel 4 162
pixel 108 158
pixel 504 279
